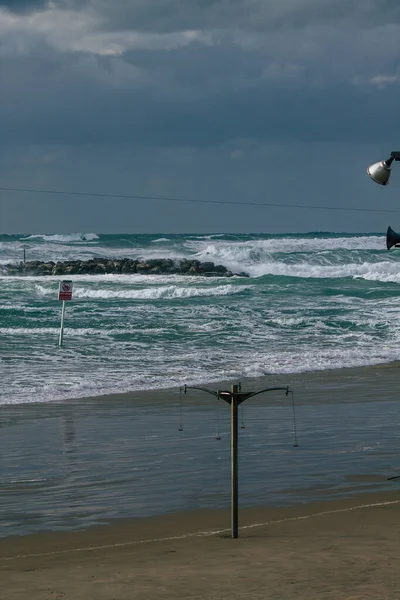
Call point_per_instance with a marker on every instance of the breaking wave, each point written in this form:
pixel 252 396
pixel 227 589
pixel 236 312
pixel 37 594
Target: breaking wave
pixel 72 237
pixel 165 292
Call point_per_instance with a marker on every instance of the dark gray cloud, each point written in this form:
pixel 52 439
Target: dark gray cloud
pixel 260 15
pixel 162 95
pixel 196 95
pixel 23 6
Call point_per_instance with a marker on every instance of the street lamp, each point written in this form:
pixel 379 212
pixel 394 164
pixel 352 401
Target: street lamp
pixel 380 171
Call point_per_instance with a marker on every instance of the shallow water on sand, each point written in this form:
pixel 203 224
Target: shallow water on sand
pixel 75 464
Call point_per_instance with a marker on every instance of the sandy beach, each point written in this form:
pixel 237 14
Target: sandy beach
pixel 343 549
pixel 102 498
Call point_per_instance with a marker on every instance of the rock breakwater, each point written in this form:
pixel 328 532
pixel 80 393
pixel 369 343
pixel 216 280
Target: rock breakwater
pixel 101 266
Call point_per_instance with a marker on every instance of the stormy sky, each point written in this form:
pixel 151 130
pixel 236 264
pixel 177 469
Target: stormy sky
pixel 242 100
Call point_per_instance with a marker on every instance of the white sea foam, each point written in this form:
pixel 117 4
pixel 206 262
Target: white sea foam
pixel 383 271
pixel 58 237
pixel 258 257
pixel 28 330
pixel 211 236
pixel 244 249
pixel 79 331
pixel 74 380
pixel 165 292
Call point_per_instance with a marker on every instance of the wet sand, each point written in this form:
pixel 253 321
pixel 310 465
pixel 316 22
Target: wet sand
pixel 318 522
pixel 86 462
pixel 341 549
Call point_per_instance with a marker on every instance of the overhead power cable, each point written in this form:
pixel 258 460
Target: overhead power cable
pixel 197 201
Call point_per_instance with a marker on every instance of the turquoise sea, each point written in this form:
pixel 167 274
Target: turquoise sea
pixel 311 305
pixel 311 302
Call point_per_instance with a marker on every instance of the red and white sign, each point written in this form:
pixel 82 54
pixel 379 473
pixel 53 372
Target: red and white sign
pixel 65 290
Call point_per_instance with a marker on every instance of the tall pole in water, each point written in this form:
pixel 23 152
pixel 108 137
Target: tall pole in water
pixel 60 338
pixel 234 397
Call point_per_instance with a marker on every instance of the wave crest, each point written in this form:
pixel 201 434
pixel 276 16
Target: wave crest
pixel 166 292
pixel 58 237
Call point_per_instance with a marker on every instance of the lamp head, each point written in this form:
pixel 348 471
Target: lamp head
pixel 380 171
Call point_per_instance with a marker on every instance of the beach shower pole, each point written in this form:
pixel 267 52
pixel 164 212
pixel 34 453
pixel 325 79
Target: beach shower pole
pixel 234 397
pixel 234 463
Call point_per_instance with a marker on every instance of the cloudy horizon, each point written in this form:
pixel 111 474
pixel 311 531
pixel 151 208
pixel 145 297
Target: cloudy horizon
pixel 218 100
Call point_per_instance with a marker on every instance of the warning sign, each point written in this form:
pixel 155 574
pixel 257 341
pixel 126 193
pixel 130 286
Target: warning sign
pixel 65 290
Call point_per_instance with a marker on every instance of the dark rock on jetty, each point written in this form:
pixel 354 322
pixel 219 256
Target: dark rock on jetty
pixel 99 266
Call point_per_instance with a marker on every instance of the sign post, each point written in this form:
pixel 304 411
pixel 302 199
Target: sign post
pixel 64 293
